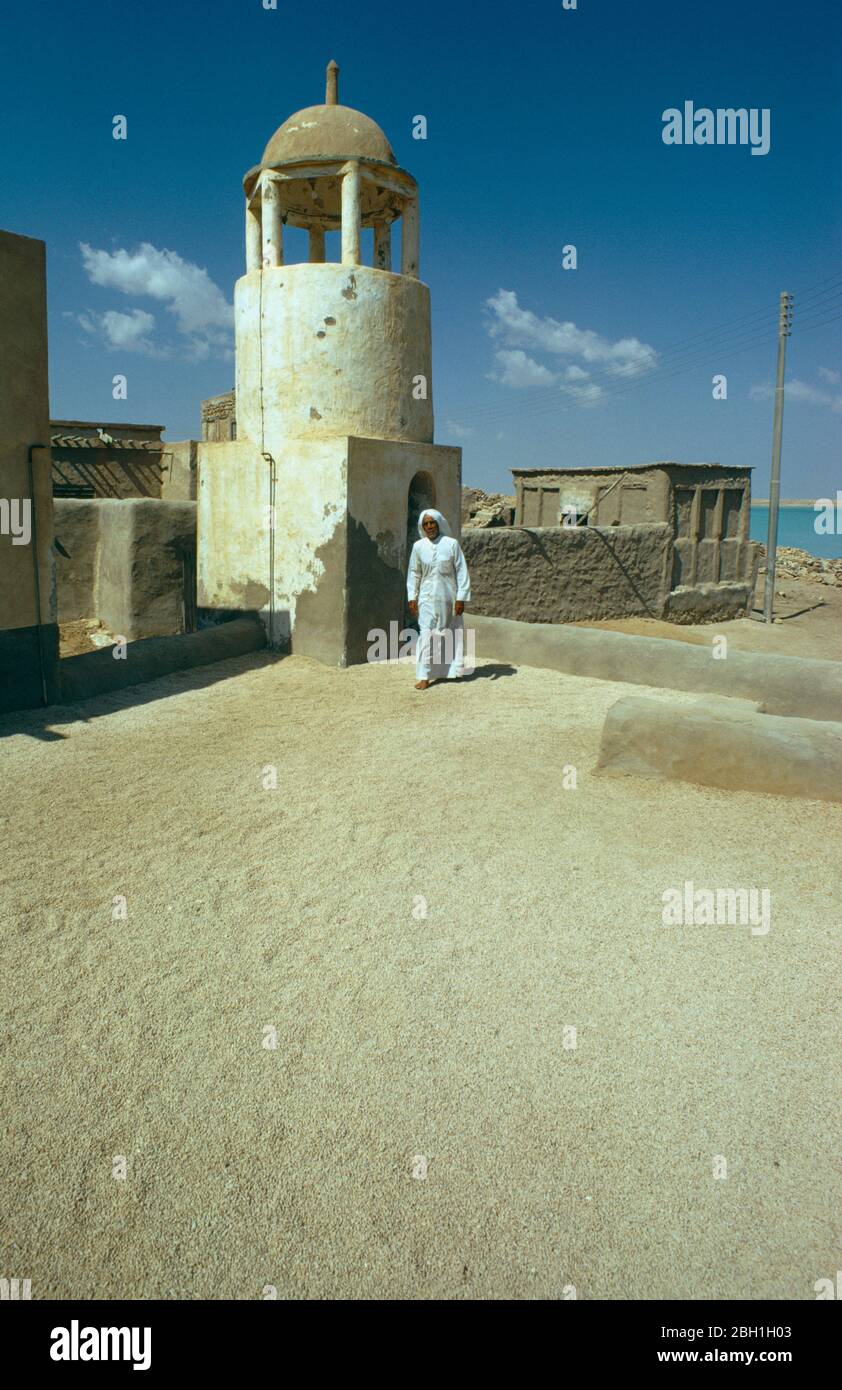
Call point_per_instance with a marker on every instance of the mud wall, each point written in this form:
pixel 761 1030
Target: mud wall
pixel 559 574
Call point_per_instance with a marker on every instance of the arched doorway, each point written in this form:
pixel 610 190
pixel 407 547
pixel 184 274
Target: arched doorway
pixel 422 493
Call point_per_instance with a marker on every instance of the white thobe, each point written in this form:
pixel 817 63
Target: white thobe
pixel 438 578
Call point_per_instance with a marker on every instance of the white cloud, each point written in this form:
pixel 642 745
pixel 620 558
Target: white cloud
pixel 585 396
pixel 460 431
pixel 799 391
pixel 514 368
pixel 521 328
pixel 827 375
pixel 129 332
pixel 203 316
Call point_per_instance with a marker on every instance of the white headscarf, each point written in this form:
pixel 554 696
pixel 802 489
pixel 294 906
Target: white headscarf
pixel 444 529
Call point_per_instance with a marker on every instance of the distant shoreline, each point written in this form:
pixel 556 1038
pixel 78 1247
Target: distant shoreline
pixel 785 502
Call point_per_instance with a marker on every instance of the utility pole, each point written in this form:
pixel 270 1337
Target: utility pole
pixel 784 330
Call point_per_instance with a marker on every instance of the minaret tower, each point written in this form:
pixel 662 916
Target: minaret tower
pixel 324 347
pixel 308 515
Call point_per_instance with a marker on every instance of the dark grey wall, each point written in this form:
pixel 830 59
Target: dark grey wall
pixel 24 652
pixel 25 421
pixel 97 673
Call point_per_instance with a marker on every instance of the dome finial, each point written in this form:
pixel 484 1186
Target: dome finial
pixel 332 84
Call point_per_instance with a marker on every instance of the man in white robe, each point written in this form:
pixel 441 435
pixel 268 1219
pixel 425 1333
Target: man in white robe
pixel 438 587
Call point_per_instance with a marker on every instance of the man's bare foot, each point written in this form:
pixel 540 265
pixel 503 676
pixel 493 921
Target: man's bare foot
pixel 421 685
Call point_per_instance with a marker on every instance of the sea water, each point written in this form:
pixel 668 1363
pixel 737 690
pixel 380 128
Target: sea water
pixel 797 526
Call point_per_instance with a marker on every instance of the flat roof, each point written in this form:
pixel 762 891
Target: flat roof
pixel 105 425
pixel 631 468
pixel 94 444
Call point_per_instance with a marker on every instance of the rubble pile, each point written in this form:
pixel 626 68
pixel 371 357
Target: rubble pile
pixel 800 564
pixel 486 508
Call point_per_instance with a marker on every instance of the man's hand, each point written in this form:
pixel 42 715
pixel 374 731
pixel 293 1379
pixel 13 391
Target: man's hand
pixel 460 608
pixel 413 607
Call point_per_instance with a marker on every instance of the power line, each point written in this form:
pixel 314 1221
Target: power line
pixel 622 384
pixel 680 357
pixel 691 356
pixel 560 404
pixel 811 326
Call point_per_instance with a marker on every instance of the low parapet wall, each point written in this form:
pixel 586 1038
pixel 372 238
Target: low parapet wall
pixel 782 684
pixel 720 744
pixel 558 574
pixel 565 574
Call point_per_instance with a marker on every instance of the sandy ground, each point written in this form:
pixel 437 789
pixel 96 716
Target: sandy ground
pixel 281 1044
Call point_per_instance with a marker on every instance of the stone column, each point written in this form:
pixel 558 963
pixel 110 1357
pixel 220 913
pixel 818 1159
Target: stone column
pixel 382 246
pixel 273 247
pixel 317 244
pixel 253 257
pixel 410 238
pixel 351 214
pixel 332 84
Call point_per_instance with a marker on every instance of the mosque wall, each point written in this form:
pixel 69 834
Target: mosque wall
pixel 339 548
pixel 380 474
pixel 238 549
pixel 232 569
pixel 28 655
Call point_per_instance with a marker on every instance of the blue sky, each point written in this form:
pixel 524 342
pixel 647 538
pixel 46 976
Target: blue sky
pixel 544 130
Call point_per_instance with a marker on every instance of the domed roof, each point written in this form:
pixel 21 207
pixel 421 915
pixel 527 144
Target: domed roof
pixel 327 132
